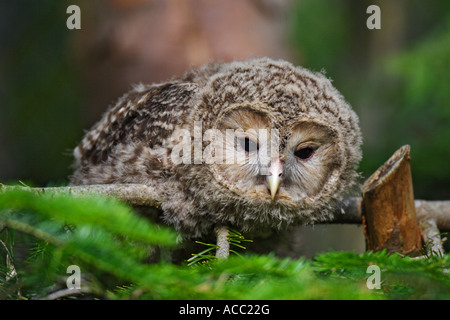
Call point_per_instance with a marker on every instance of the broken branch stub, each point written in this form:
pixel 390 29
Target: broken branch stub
pixel 388 211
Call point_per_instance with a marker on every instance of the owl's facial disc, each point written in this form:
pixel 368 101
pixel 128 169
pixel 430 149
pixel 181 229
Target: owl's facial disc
pixel 304 161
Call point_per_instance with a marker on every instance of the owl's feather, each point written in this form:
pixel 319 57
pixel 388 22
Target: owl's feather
pixel 133 142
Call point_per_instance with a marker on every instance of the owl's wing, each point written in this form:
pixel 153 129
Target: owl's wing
pixel 148 113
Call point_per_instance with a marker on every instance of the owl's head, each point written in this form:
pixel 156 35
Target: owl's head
pixel 287 143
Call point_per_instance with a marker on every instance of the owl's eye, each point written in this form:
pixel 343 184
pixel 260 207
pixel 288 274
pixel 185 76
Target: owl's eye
pixel 304 153
pixel 248 144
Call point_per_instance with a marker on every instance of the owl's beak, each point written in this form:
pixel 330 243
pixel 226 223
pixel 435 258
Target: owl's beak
pixel 274 178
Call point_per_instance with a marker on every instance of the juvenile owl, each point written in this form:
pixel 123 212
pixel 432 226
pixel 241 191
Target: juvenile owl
pixel 252 145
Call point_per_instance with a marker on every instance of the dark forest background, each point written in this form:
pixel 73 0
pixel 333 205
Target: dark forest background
pixel 55 83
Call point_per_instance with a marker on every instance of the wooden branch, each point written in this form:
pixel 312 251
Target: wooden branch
pixel 350 212
pixel 437 210
pixel 143 195
pixel 134 194
pixel 388 211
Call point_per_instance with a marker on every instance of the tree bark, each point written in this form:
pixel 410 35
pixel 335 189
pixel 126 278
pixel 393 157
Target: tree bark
pixel 388 209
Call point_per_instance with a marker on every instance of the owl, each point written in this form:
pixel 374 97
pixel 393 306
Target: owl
pixel 255 145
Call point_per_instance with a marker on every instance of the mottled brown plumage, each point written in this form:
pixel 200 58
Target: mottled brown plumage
pixel 318 133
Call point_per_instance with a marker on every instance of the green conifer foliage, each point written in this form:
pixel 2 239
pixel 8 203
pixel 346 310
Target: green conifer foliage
pixel 42 235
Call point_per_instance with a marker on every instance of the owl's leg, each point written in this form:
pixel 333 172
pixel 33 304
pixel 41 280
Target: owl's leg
pixel 223 249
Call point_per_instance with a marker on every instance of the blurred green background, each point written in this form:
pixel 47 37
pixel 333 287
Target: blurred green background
pixel 55 82
pixel 397 78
